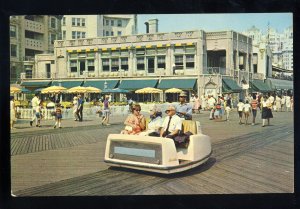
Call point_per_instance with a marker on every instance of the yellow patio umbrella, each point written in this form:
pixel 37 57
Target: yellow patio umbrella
pixel 78 90
pixel 148 90
pixel 14 90
pixel 173 90
pixel 53 89
pixel 91 89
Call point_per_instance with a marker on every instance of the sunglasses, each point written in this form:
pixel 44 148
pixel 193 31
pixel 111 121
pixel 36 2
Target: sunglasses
pixel 138 110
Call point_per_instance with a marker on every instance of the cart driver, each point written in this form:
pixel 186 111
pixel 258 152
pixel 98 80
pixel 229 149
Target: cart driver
pixel 184 109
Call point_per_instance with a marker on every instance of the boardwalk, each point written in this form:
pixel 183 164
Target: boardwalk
pixel 246 159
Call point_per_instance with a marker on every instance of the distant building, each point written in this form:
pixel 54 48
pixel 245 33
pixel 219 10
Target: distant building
pixel 195 61
pixel 30 35
pixel 92 26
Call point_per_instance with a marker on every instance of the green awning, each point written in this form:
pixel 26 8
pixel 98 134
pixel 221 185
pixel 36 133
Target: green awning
pixel 36 83
pixel 177 83
pixel 260 86
pixel 67 84
pixel 137 84
pixel 111 84
pixel 230 86
pixel 280 84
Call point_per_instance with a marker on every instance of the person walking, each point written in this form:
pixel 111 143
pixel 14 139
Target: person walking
pixel 75 107
pixel 203 102
pixel 106 112
pixel 292 103
pixel 240 107
pixel 13 112
pixel 80 108
pixel 197 105
pixel 283 99
pixel 211 105
pixel 34 103
pixel 38 114
pixel 288 103
pixel 277 103
pixel 246 110
pixel 266 111
pixel 254 104
pixel 58 115
pixel 227 105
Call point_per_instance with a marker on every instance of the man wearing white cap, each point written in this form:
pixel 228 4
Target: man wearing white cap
pixel 172 124
pixel 183 109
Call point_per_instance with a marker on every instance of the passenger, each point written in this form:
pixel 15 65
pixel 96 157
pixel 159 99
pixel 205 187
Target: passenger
pixel 135 122
pixel 172 124
pixel 155 123
pixel 183 109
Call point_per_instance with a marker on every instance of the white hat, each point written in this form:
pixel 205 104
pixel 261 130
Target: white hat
pixel 182 94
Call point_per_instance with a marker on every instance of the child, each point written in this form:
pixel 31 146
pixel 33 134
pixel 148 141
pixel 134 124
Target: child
pixel 38 114
pixel 247 110
pixel 58 115
pixel 240 107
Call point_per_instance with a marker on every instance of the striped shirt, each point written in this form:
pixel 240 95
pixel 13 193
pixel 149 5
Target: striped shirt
pixel 254 104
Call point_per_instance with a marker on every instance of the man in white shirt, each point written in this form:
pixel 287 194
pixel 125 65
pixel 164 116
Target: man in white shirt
pixel 211 103
pixel 34 103
pixel 172 124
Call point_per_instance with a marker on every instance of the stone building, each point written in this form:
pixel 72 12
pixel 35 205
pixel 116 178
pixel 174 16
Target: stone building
pixel 30 35
pixel 195 61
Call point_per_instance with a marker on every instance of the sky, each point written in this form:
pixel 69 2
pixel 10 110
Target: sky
pixel 215 22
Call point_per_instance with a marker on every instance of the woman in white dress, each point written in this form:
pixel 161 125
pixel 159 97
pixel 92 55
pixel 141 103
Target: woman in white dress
pixel 288 103
pixel 277 103
pixel 75 107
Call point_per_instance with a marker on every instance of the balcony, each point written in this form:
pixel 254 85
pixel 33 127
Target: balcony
pixel 34 26
pixel 34 44
pixel 217 70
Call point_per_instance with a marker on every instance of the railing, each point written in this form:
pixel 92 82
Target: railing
pixel 216 70
pixel 88 112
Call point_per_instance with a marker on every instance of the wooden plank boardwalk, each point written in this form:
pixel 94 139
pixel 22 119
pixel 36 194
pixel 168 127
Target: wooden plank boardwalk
pixel 71 163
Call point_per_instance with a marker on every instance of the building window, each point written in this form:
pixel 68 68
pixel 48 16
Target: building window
pixel 112 22
pixel 107 22
pixel 140 63
pixel 13 31
pixel 73 34
pixel 179 61
pixel 64 34
pixel 112 33
pixel 53 22
pixel 190 63
pixel 114 64
pixel 73 21
pixel 105 65
pixel 83 22
pixel 78 21
pixel 52 38
pixel 48 70
pixel 13 50
pixel 107 33
pixel 161 62
pixel 119 33
pixel 82 34
pixel 91 66
pixel 64 21
pixel 78 34
pixel 124 64
pixel 119 23
pixel 73 66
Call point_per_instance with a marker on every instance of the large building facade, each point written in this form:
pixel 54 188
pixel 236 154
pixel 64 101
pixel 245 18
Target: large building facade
pixel 91 26
pixel 196 61
pixel 30 35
